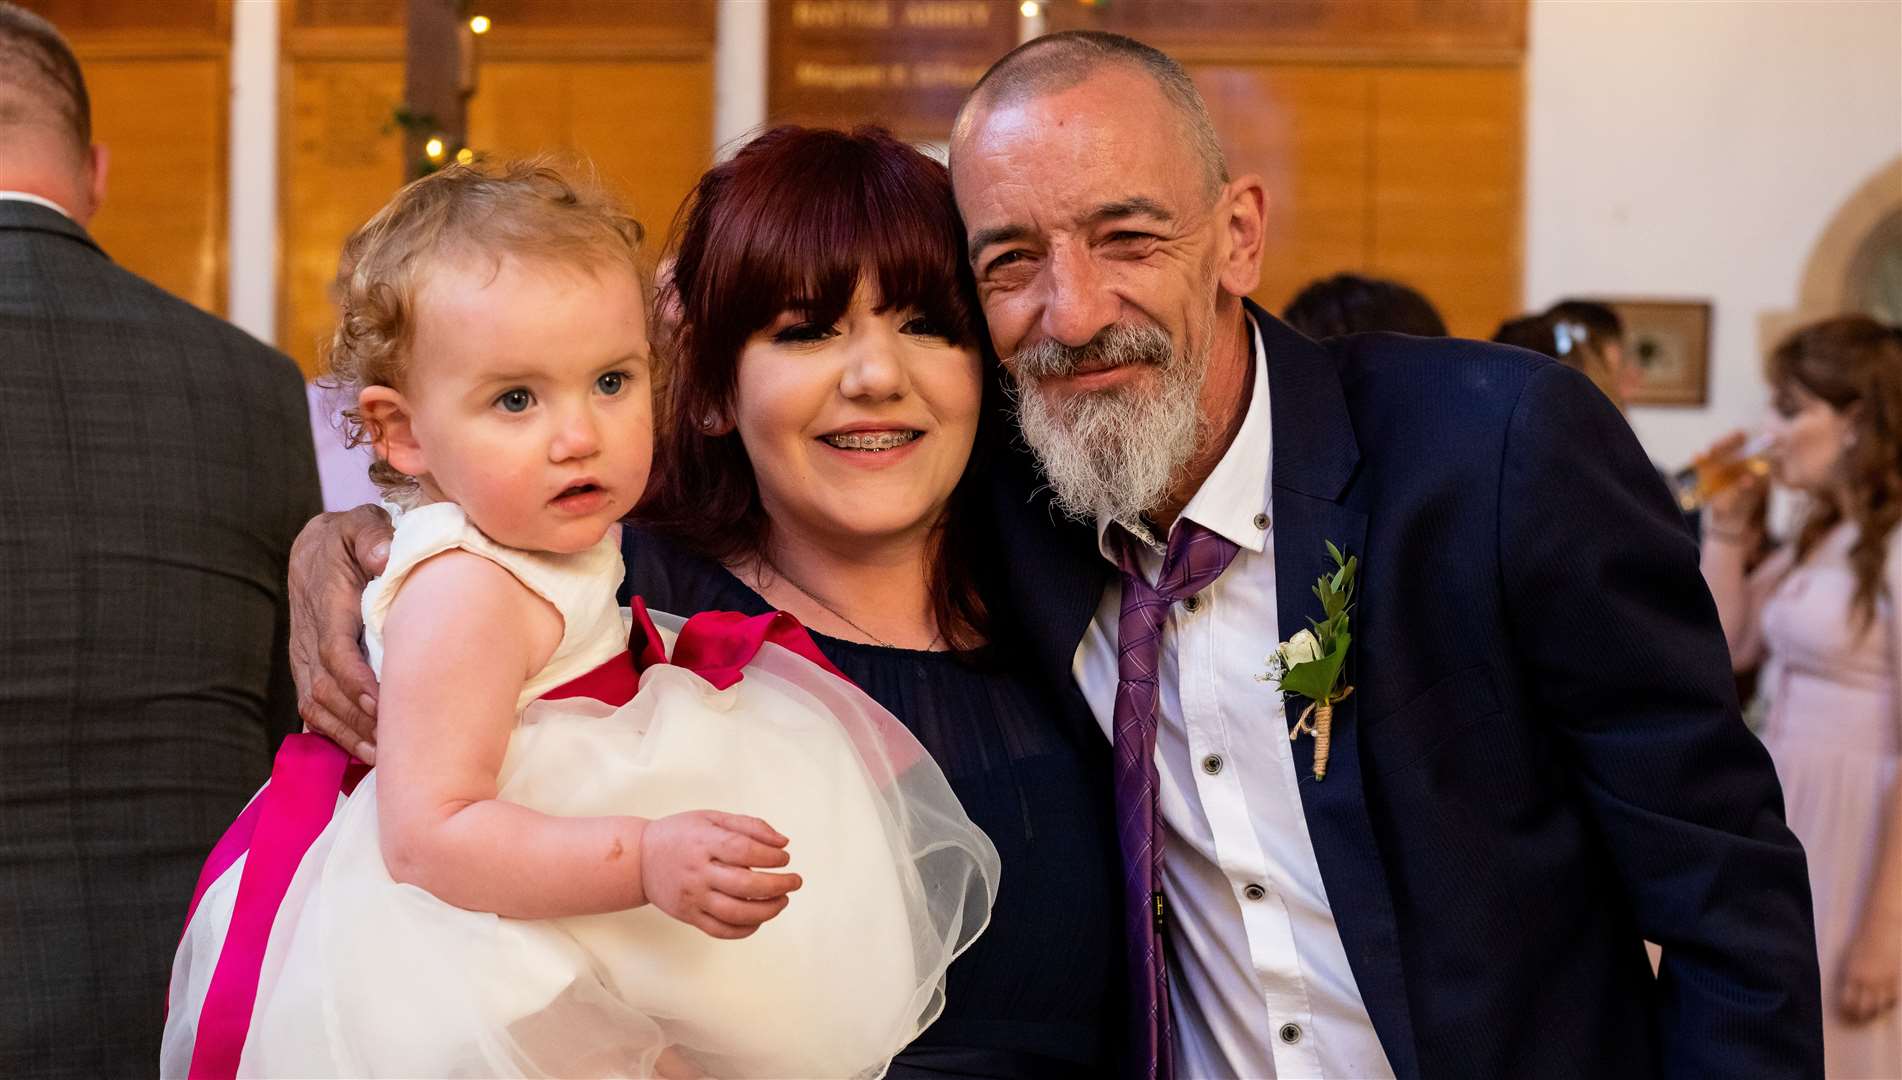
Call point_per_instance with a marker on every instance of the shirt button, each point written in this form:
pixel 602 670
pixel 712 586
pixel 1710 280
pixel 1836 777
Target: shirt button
pixel 1290 1033
pixel 1212 764
pixel 1254 891
pixel 1261 521
pixel 1192 604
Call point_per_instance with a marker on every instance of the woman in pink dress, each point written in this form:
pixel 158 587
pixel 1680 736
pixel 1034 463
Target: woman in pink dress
pixel 1821 616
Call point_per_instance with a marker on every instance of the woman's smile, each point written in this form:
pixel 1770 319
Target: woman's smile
pixel 876 441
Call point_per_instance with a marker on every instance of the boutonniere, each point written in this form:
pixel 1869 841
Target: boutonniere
pixel 1310 663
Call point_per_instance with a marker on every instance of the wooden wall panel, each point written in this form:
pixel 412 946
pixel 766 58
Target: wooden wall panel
pixel 315 13
pixel 1405 172
pixel 655 161
pixel 645 125
pixel 1350 31
pixel 164 217
pixel 1447 180
pixel 629 88
pixel 1388 133
pixel 158 76
pixel 1306 130
pixel 341 161
pixel 78 19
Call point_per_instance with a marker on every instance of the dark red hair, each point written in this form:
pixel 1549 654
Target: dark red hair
pixel 794 221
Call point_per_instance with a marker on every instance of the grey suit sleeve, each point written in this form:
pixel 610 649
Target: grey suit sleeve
pixel 302 500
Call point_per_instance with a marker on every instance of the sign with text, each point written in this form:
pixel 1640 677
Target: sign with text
pixel 906 64
pixel 1199 30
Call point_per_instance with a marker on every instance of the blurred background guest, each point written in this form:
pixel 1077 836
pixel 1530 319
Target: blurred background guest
pixel 150 498
pixel 1526 332
pixel 1581 334
pixel 1352 304
pixel 1601 325
pixel 1821 614
pixel 1598 326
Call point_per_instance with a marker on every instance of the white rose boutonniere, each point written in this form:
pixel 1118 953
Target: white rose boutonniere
pixel 1310 663
pixel 1300 649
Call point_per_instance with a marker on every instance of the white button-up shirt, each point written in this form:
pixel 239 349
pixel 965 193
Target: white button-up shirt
pixel 1258 976
pixel 27 196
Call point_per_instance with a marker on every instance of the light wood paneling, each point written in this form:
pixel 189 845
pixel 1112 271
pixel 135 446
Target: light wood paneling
pixel 158 76
pixel 1344 31
pixel 1388 134
pixel 316 13
pixel 79 19
pixel 1306 131
pixel 628 88
pixel 1404 172
pixel 645 125
pixel 342 160
pixel 164 216
pixel 1446 187
pixel 655 160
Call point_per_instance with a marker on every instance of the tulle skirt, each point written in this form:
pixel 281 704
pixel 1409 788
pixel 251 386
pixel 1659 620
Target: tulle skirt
pixel 363 976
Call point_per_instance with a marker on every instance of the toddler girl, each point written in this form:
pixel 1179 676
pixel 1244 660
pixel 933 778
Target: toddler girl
pixel 531 882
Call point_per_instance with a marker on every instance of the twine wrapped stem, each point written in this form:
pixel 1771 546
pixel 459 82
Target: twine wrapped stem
pixel 1318 720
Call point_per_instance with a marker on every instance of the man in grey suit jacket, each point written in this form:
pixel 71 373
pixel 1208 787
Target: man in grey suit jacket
pixel 155 465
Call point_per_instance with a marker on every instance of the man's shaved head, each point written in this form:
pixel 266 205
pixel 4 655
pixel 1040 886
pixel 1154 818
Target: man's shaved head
pixel 1056 62
pixel 40 84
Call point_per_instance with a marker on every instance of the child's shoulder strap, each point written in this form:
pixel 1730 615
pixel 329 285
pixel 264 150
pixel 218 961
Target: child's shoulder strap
pixel 421 535
pixel 580 587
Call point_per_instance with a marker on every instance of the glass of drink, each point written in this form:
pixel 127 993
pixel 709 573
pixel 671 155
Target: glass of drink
pixel 1710 475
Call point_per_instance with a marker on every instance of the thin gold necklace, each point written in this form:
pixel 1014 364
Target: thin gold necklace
pixel 842 616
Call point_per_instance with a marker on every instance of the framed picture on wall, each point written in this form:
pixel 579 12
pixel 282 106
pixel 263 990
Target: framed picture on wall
pixel 1669 341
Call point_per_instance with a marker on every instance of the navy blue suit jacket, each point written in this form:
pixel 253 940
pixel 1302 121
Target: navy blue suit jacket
pixel 1543 762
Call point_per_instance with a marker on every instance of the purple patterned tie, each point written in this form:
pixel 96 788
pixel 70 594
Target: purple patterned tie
pixel 1195 558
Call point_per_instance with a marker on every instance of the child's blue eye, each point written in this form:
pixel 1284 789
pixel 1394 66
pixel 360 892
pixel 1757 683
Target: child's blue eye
pixel 515 400
pixel 611 384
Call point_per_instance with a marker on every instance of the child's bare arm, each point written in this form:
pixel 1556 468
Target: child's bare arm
pixel 462 637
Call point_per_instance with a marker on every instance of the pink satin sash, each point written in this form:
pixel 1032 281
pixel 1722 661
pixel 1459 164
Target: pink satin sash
pixel 291 811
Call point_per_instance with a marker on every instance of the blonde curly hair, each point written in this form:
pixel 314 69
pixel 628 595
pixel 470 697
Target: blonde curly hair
pixel 535 208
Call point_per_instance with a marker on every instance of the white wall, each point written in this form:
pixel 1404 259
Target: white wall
pixel 739 73
pixel 252 222
pixel 1697 149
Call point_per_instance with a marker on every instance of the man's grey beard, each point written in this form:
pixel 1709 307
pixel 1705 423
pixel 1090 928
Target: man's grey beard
pixel 1112 454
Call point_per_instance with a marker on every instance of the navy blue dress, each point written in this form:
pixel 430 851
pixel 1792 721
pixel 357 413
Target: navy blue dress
pixel 1038 994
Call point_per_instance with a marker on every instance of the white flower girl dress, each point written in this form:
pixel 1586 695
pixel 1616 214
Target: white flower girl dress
pixel 302 957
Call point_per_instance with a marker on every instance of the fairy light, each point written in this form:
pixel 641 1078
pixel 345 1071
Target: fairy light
pixel 1029 9
pixel 480 24
pixel 465 156
pixel 433 149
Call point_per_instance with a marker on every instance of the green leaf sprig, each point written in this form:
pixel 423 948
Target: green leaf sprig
pixel 1319 679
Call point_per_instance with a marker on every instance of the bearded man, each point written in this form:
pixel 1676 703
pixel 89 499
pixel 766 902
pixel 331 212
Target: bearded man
pixel 1538 761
